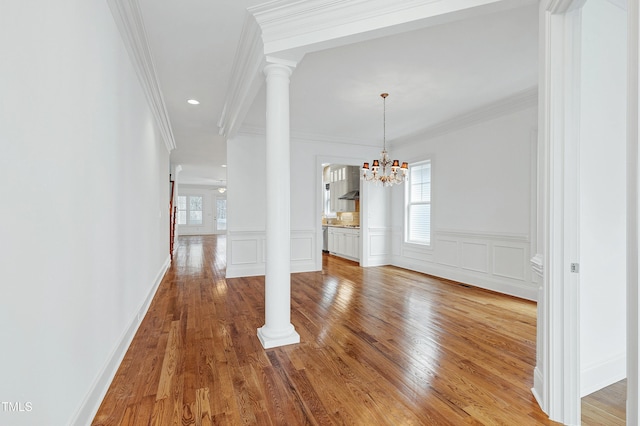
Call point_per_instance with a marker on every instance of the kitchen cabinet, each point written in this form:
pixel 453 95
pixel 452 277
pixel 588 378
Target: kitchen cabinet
pixel 338 188
pixel 344 242
pixel 333 240
pixel 342 179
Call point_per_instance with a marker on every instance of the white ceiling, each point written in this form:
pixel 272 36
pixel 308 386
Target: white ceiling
pixel 432 75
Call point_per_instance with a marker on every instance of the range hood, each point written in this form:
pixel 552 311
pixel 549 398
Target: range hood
pixel 351 195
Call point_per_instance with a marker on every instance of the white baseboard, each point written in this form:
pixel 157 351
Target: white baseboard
pixel 250 270
pixel 304 266
pixel 597 376
pixel 253 270
pixel 502 285
pixel 537 389
pixel 100 386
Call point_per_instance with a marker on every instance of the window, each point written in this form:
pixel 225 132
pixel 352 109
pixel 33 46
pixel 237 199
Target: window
pixel 182 210
pixel 418 221
pixel 189 210
pixel 221 214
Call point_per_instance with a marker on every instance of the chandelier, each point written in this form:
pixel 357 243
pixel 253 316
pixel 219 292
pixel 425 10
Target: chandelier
pixel 385 171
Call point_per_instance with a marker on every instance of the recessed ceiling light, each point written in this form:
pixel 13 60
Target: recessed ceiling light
pixel 224 165
pixel 193 102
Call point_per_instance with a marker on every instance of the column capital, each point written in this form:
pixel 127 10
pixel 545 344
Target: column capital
pixel 277 69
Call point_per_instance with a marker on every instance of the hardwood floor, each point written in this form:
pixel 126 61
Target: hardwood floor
pixel 606 407
pixel 379 346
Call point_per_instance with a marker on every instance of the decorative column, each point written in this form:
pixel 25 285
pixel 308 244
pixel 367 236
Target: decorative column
pixel 278 330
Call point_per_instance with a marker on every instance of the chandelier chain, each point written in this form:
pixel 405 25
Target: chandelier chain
pixel 384 121
pixel 384 171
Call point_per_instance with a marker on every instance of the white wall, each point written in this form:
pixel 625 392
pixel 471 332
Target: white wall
pixel 246 205
pixel 481 203
pixel 483 177
pixel 602 196
pixel 246 201
pixel 84 223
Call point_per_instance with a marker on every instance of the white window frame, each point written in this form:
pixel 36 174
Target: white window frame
pixel 188 210
pixel 409 203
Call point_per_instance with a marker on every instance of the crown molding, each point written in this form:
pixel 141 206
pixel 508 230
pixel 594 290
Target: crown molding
pixel 519 101
pixel 128 19
pixel 295 24
pixel 246 77
pixel 283 31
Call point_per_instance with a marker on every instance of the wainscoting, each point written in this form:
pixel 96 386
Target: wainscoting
pixel 375 249
pixel 495 262
pixel 246 252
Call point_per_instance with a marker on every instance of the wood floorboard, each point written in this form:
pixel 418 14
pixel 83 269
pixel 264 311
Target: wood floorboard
pixel 379 346
pixel 606 407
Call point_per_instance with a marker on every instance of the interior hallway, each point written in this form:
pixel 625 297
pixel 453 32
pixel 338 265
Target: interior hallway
pixel 382 346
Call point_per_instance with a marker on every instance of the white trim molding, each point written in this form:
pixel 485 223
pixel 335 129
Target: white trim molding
pixel 493 261
pixel 100 386
pixel 537 265
pixel 557 375
pixel 290 26
pixel 375 246
pixel 283 31
pixel 246 252
pixel 246 78
pixel 633 212
pixel 597 376
pixel 128 19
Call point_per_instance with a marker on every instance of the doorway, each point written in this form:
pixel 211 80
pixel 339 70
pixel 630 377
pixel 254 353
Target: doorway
pixel 329 190
pixel 581 347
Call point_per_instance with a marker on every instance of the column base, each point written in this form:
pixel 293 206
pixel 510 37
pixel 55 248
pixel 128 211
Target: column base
pixel 270 341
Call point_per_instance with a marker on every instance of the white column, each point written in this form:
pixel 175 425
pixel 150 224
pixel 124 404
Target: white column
pixel 278 330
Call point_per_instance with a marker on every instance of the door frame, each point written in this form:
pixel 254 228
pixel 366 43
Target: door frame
pixel 557 372
pixel 322 160
pixel 633 211
pixel 557 375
